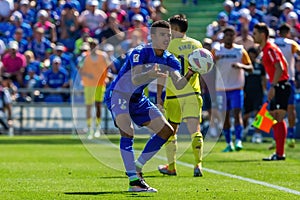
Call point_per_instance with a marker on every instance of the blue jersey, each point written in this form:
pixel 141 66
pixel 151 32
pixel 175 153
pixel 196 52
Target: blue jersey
pixel 145 56
pixel 40 48
pixel 56 80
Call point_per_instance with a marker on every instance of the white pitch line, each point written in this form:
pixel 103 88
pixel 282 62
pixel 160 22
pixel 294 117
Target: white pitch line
pixel 277 187
pixel 288 190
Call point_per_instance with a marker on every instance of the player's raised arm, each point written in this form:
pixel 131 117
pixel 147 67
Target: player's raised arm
pixel 142 77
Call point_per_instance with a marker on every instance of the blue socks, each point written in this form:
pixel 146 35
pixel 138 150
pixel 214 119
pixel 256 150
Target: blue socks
pixel 238 129
pixel 152 147
pixel 127 153
pixel 291 132
pixel 227 135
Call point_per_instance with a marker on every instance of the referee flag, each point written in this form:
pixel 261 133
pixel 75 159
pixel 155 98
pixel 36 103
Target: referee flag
pixel 263 120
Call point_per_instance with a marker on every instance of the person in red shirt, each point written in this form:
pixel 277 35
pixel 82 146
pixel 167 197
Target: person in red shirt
pixel 279 92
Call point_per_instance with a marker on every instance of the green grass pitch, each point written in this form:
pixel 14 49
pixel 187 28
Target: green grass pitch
pixel 66 167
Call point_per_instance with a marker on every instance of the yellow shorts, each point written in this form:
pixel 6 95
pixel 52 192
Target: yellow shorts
pixel 93 94
pixel 178 109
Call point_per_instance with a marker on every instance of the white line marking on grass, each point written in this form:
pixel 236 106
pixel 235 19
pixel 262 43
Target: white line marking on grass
pixel 288 190
pixel 277 187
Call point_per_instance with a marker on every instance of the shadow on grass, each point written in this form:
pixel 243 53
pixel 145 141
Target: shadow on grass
pixel 129 194
pixel 117 177
pixel 41 140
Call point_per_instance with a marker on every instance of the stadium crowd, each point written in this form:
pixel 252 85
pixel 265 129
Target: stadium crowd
pixel 244 14
pixel 41 42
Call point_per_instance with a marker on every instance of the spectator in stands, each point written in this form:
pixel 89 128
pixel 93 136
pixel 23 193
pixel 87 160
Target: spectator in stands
pixel 32 63
pixel 254 12
pixel 53 15
pixel 67 61
pixel 158 10
pixel 14 63
pixel 32 80
pixel 274 7
pixel 93 71
pixel 40 45
pixel 135 8
pixel 245 38
pixel 18 37
pixel 113 33
pixel 216 27
pixel 6 9
pixel 27 12
pixel 246 21
pixel 69 26
pixel 138 26
pixel 286 8
pixel 114 7
pixel 262 5
pixel 84 37
pixel 17 22
pixel 292 20
pixel 48 26
pixel 233 16
pixel 93 18
pixel 56 77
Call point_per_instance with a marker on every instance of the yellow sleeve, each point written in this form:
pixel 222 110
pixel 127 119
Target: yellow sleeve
pixel 295 47
pixel 245 58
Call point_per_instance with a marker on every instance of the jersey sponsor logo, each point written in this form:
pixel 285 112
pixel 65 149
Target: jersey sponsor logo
pixel 228 56
pixel 136 57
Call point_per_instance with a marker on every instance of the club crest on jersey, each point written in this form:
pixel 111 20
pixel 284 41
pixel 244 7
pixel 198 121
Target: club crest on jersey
pixel 136 57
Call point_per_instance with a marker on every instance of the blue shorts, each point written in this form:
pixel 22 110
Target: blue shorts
pixel 292 98
pixel 140 108
pixel 229 100
pixel 152 96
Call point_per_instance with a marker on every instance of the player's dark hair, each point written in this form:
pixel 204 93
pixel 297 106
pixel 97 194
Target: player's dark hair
pixel 284 29
pixel 159 24
pixel 180 21
pixel 229 29
pixel 262 28
pixel 253 50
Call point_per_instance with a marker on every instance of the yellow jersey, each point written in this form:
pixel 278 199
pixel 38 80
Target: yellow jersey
pixel 181 48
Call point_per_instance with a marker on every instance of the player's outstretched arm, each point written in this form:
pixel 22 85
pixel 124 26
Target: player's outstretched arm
pixel 140 77
pixel 180 81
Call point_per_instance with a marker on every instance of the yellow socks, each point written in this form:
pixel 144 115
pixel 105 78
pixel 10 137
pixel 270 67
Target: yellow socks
pixel 89 122
pixel 98 122
pixel 171 149
pixel 197 146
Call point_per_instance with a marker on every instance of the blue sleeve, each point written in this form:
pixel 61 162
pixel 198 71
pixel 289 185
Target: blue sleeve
pixel 137 57
pixel 174 63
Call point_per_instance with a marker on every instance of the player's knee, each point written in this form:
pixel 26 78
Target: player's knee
pixel 166 132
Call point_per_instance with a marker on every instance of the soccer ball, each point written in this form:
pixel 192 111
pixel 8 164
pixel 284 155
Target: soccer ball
pixel 201 60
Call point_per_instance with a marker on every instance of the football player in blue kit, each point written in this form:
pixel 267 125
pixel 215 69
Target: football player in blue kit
pixel 128 104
